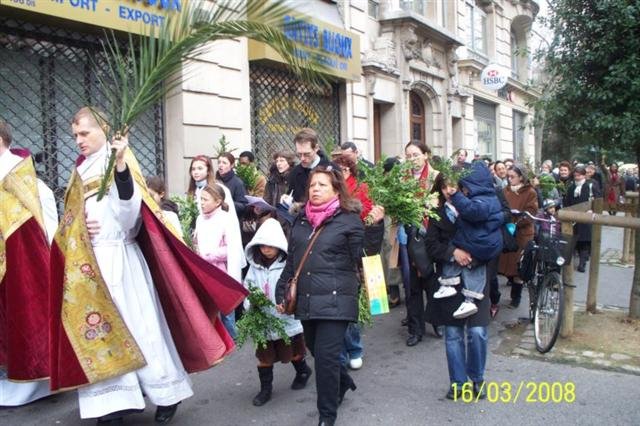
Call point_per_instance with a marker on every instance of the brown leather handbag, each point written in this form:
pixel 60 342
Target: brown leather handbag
pixel 291 291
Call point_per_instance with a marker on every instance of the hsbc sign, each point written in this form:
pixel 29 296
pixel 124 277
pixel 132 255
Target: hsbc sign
pixel 494 77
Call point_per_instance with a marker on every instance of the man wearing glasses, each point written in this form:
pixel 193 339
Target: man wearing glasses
pixel 310 157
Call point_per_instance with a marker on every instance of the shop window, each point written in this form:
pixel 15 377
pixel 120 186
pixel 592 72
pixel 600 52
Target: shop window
pixel 48 73
pixel 417 120
pixel 485 128
pixel 281 105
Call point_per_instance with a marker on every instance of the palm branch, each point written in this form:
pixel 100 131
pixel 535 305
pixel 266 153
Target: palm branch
pixel 139 76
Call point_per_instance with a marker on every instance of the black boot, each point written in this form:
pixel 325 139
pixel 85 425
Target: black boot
pixel 303 372
pixel 346 383
pixel 516 294
pixel 266 382
pixel 584 255
pixel 164 414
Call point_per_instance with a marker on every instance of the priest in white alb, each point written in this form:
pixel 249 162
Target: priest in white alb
pixel 134 309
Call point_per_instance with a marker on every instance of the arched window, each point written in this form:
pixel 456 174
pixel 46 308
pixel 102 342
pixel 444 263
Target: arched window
pixel 417 118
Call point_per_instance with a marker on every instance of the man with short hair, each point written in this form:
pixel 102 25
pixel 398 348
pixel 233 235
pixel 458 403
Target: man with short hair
pixel 508 162
pixel 308 151
pixel 350 150
pixel 28 222
pixel 127 317
pixel 246 159
pixel 461 159
pixel 500 178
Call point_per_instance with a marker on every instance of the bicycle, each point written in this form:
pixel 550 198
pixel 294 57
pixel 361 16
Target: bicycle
pixel 540 267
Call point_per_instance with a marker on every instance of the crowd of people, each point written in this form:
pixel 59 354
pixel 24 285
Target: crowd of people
pixel 131 310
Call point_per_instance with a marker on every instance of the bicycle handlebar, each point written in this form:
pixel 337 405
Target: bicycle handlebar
pixel 519 213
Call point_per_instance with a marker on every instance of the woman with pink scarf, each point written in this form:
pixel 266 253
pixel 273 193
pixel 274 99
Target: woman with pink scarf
pixel 327 297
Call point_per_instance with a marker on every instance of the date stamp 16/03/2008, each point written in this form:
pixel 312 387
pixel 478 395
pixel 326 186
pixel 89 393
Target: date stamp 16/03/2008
pixel 511 393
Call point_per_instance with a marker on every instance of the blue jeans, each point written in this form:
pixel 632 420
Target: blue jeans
pixel 352 344
pixel 229 322
pixel 473 279
pixel 466 362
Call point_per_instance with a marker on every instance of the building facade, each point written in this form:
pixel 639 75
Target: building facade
pixel 422 61
pixel 402 70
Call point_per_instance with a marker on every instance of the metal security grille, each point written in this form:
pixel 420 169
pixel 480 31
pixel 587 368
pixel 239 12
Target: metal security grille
pixel 46 75
pixel 281 105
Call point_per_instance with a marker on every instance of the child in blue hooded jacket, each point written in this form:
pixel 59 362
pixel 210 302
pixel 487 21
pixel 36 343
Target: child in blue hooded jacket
pixel 477 215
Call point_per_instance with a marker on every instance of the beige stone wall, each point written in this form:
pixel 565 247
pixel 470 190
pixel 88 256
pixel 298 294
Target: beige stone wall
pixel 356 109
pixel 212 103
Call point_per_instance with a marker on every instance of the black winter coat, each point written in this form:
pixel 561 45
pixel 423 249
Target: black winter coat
pixel 438 240
pixel 277 184
pixel 590 189
pixel 236 187
pixel 328 283
pixel 300 175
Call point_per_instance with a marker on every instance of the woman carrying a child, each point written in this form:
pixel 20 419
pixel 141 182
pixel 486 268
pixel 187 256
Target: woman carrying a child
pixel 465 244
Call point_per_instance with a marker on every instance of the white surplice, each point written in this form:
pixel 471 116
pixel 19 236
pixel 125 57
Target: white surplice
pixel 14 393
pixel 128 279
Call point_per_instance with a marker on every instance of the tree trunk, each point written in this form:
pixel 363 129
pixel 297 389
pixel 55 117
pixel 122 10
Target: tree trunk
pixel 634 302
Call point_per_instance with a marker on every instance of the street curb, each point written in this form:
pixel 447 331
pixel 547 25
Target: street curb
pixel 588 359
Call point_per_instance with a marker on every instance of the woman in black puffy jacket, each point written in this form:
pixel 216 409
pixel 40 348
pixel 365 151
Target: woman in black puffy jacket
pixel 327 297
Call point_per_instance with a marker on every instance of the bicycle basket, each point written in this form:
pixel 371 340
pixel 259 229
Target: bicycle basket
pixel 550 249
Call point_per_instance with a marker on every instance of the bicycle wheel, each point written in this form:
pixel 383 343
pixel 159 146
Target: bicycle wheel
pixel 531 287
pixel 548 315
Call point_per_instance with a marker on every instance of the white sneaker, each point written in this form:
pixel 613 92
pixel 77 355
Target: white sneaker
pixel 444 291
pixel 355 363
pixel 466 309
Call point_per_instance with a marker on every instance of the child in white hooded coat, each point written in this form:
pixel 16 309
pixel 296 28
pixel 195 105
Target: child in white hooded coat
pixel 266 254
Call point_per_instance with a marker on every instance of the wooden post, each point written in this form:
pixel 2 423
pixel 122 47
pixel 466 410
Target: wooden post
pixel 628 243
pixel 567 278
pixel 632 197
pixel 632 236
pixel 594 264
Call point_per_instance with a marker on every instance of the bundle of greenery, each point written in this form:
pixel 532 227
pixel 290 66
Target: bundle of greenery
pixel 257 321
pixel 403 198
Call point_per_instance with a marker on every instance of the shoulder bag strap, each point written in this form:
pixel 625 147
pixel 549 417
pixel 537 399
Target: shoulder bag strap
pixel 306 252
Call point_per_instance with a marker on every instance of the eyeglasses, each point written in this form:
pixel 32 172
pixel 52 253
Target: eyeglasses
pixel 304 154
pixel 412 156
